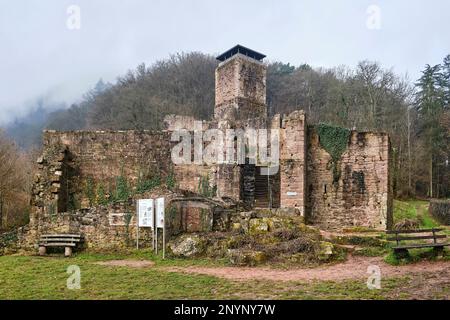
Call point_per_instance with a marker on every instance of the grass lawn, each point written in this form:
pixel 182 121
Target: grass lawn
pixel 33 277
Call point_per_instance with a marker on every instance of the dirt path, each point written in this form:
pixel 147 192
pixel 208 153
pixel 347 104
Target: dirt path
pixel 127 263
pixel 353 268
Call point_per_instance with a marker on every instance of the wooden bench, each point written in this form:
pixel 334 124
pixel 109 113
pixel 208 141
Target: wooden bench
pixel 68 241
pixel 401 250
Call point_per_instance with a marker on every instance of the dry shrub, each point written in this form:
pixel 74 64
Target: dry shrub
pixel 286 234
pixel 407 224
pixel 301 244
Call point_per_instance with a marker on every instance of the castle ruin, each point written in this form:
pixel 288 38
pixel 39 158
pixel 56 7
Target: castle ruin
pixel 329 190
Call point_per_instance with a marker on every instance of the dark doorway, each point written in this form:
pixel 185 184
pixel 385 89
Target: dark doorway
pixel 258 189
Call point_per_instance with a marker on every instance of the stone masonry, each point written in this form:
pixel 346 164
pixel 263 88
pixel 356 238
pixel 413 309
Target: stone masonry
pixel 363 195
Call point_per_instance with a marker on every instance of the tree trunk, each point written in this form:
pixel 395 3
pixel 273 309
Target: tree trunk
pixel 431 176
pixel 409 154
pixel 1 213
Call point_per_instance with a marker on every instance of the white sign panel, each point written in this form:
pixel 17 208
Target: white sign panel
pixel 145 210
pixel 160 213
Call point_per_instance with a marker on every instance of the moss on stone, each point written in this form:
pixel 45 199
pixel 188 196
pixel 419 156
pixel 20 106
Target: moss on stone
pixel 257 226
pixel 324 250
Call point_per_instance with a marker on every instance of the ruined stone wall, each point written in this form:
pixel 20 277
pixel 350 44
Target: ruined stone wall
pixel 103 227
pixel 113 226
pixel 362 195
pixel 105 155
pixel 292 161
pixel 71 159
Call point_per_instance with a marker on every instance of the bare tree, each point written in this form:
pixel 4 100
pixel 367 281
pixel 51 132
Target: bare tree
pixel 14 183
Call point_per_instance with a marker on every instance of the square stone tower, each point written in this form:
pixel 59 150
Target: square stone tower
pixel 240 86
pixel 240 103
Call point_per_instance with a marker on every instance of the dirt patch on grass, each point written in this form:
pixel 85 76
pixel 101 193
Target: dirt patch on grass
pixel 424 286
pixel 127 263
pixel 353 268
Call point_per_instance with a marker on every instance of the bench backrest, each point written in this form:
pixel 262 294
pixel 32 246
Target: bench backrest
pixel 49 238
pixel 400 235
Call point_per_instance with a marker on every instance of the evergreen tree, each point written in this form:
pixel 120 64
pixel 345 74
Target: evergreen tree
pixel 445 80
pixel 430 105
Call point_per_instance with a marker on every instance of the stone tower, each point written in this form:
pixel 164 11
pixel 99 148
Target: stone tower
pixel 240 103
pixel 240 86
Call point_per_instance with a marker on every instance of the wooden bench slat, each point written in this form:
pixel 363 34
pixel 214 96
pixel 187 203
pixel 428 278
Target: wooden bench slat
pixel 438 236
pixel 429 245
pixel 40 241
pixel 413 231
pixel 61 239
pixel 56 244
pixel 61 236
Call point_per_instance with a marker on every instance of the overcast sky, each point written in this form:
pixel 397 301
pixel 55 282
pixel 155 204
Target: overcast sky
pixel 41 56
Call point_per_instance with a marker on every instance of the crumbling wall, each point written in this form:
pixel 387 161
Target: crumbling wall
pixel 192 215
pixel 109 227
pixel 104 155
pixel 98 157
pixel 292 161
pixel 75 165
pixel 114 226
pixel 361 194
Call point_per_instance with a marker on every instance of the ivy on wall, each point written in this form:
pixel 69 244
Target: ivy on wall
pixel 335 141
pixel 119 191
pixel 170 181
pixel 90 191
pixel 144 185
pixel 205 189
pixel 101 195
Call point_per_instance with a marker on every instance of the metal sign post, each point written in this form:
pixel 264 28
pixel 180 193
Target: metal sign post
pixel 156 241
pixel 160 221
pixel 137 224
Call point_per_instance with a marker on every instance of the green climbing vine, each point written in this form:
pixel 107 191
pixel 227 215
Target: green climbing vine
pixel 144 185
pixel 90 191
pixel 335 141
pixel 170 181
pixel 204 188
pixel 122 190
pixel 101 195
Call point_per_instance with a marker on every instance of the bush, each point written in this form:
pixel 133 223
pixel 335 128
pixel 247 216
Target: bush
pixel 407 224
